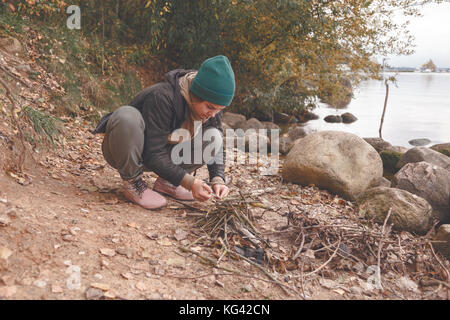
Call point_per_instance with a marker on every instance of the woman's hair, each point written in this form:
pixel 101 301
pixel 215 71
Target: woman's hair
pixel 194 98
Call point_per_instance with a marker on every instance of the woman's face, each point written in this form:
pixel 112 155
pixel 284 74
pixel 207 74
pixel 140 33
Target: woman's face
pixel 206 109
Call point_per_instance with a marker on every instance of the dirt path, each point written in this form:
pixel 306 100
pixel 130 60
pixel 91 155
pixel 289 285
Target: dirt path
pixel 72 235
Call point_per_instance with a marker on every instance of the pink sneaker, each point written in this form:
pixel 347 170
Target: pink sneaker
pixel 137 191
pixel 179 193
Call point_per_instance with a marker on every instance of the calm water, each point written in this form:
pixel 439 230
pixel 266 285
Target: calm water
pixel 418 108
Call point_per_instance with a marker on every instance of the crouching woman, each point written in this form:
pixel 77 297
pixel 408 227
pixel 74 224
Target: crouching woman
pixel 144 135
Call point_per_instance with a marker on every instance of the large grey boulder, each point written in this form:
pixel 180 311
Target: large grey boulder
pixel 419 154
pixel 338 161
pixel 409 212
pixel 234 120
pixel 443 235
pixel 378 143
pixel 429 182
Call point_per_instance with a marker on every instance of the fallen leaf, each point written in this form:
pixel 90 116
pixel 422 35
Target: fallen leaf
pixel 133 225
pixel 127 275
pixel 101 286
pixel 164 242
pixel 180 234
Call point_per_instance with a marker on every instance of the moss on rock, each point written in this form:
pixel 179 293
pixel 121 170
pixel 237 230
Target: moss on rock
pixel 390 160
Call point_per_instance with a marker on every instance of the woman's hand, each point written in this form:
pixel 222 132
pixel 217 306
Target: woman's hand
pixel 201 191
pixel 221 190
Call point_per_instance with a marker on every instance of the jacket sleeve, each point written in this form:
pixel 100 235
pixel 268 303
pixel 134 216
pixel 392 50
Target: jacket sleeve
pixel 158 113
pixel 218 169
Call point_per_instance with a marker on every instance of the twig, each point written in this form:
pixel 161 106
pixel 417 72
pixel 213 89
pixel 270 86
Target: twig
pixel 323 265
pixel 282 286
pixel 380 245
pixel 442 265
pixel 189 206
pixel 300 248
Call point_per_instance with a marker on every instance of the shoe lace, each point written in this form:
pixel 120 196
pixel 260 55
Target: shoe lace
pixel 139 185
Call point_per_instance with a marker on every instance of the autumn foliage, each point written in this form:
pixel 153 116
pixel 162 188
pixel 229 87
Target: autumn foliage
pixel 285 53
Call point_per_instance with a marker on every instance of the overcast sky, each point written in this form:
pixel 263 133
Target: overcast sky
pixel 432 33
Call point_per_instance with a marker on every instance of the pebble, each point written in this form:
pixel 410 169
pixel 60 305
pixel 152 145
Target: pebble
pixel 40 283
pixel 98 276
pixel 128 252
pixel 108 252
pixel 5 253
pixel 4 220
pixel 3 200
pixel 94 294
pixel 247 288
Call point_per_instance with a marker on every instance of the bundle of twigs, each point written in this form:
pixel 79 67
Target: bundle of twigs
pixel 228 219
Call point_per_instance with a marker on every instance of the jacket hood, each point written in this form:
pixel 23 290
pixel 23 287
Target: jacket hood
pixel 172 77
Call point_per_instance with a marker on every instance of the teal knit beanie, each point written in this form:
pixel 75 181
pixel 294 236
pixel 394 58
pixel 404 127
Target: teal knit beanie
pixel 214 81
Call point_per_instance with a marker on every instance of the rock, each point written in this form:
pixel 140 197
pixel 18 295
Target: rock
pixel 225 127
pixel 378 143
pixel 409 212
pixel 429 182
pixel 283 118
pixel 4 220
pixel 108 252
pixel 333 119
pixel 10 45
pixel 385 182
pixel 443 235
pixel 419 154
pixel 348 117
pixel 390 160
pixel 253 123
pixel 270 125
pixel 398 149
pixel 94 294
pixel 296 133
pixel 40 283
pixel 5 253
pixel 256 141
pixel 284 144
pixel 128 252
pixel 234 120
pixel 308 115
pixel 419 142
pixel 180 234
pixel 443 148
pixel 338 161
pixel 24 67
